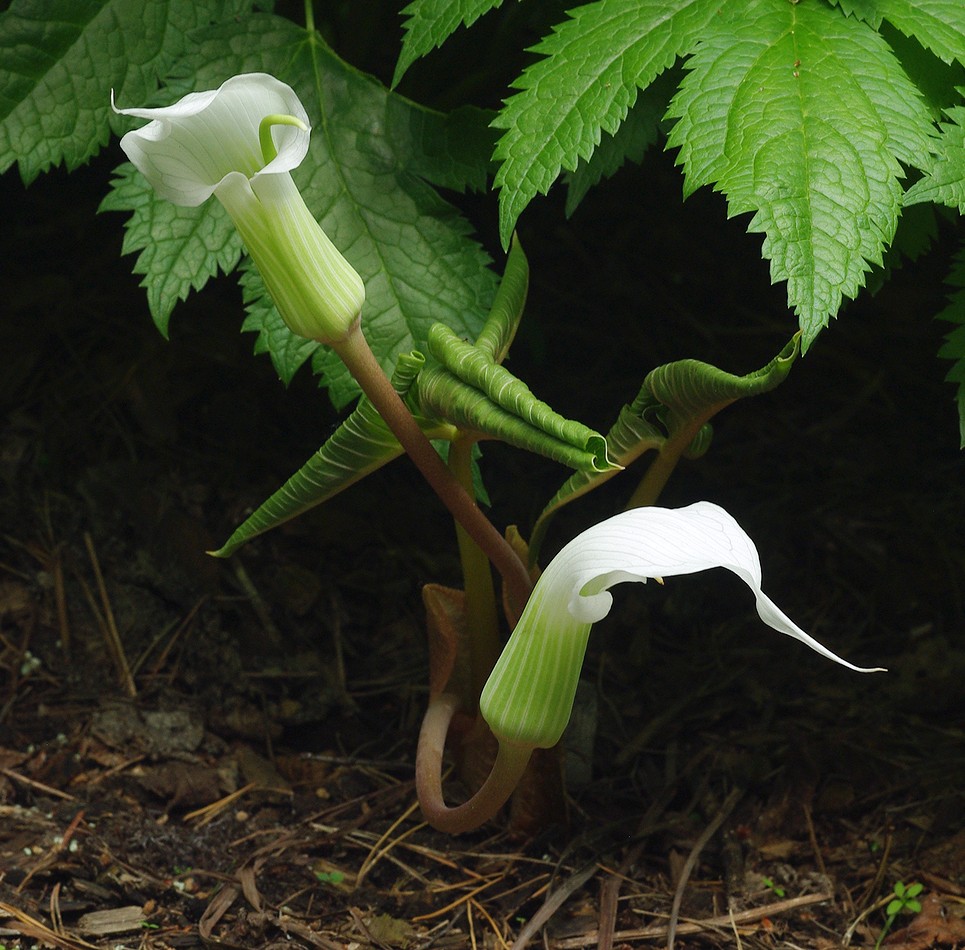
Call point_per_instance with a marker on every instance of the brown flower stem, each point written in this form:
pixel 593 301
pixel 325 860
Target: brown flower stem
pixel 361 362
pixel 511 762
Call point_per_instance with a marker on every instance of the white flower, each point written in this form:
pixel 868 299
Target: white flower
pixel 529 695
pixel 240 143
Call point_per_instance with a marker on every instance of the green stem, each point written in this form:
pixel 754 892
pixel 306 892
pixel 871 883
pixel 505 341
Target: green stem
pixel 661 468
pixel 511 762
pixel 354 351
pixel 309 17
pixel 482 619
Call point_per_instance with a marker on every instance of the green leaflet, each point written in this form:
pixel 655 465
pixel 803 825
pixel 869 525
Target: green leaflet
pixel 430 22
pixel 441 394
pixel 937 24
pixel 473 391
pixel 179 248
pixel 669 415
pixel 360 445
pixel 804 117
pixel 499 330
pixel 592 67
pixel 944 178
pixel 59 60
pixel 630 142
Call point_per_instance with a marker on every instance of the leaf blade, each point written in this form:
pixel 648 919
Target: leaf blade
pixel 592 66
pixel 818 158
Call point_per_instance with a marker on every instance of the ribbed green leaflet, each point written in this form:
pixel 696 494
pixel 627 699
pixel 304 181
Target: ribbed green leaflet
pixel 360 445
pixel 682 397
pixel 499 330
pixel 474 392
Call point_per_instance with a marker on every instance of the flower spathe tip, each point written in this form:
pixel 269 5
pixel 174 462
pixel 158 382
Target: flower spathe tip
pixel 529 695
pixel 240 142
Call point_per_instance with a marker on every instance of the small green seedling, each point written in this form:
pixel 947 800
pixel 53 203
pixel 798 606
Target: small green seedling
pixel 904 901
pixel 770 885
pixel 329 877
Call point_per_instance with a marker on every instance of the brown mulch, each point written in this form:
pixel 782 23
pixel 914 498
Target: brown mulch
pixel 220 753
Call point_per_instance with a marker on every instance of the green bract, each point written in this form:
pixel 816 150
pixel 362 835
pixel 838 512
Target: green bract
pixel 240 143
pixel 529 695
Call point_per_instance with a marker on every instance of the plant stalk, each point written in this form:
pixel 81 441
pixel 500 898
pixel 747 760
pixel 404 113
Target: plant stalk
pixel 661 468
pixel 355 352
pixel 511 762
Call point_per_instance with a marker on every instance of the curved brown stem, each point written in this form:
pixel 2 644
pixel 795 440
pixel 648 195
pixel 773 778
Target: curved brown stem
pixel 511 762
pixel 362 364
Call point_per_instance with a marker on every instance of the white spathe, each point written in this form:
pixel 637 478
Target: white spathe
pixel 210 143
pixel 529 695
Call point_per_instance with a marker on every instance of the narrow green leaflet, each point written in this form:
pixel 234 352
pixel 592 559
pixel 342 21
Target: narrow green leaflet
pixel 669 415
pixel 365 179
pixel 360 445
pixel 804 117
pixel 592 67
pixel 499 330
pixel 534 426
pixel 954 346
pixel 59 60
pixel 429 23
pixel 179 248
pixel 944 178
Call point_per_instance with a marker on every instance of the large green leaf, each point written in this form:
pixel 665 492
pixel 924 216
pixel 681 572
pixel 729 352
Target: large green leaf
pixel 803 117
pixel 592 66
pixel 670 416
pixel 59 60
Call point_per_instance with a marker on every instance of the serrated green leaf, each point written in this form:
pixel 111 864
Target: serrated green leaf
pixel 180 248
pixel 59 60
pixel 669 416
pixel 804 117
pixel 944 178
pixel 954 346
pixel 359 446
pixel 429 23
pixel 365 180
pixel 938 25
pixel 592 67
pixel 628 144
